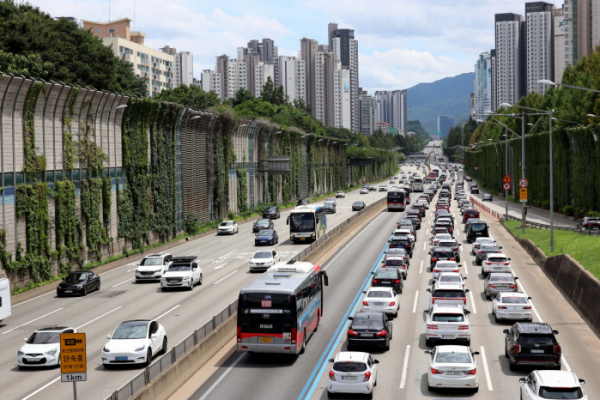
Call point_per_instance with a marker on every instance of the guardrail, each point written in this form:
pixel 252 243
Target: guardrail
pixel 149 374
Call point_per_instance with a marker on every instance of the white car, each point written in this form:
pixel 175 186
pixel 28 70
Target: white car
pixel 480 240
pixel 331 200
pixel 512 306
pixel 228 227
pixel 423 203
pixel 382 299
pixel 42 348
pixel 405 232
pixel 541 385
pixel 445 266
pixel 341 195
pixel 153 267
pixel 448 278
pixel 452 367
pixel 352 372
pixel 135 342
pixel 183 272
pixel 398 262
pixel 441 236
pixel 262 260
pixel 447 322
pixel 495 262
pixel 364 191
pixel 383 188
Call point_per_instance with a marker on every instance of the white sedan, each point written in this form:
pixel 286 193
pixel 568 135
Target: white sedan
pixel 228 227
pixel 364 191
pixel 341 195
pixel 135 342
pixel 42 348
pixel 512 306
pixel 262 260
pixel 382 299
pixel 441 236
pixel 352 372
pixel 445 266
pixel 477 243
pixel 445 278
pixel 452 367
pixel 184 273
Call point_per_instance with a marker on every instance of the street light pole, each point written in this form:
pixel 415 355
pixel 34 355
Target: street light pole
pixel 522 167
pixel 551 189
pixel 506 168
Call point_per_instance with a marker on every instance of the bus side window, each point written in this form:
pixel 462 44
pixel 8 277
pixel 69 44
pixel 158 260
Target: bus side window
pixel 300 302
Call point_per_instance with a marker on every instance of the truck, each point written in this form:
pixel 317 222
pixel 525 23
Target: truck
pixel 4 298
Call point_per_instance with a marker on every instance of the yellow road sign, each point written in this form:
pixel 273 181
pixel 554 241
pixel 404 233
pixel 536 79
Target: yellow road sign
pixel 72 353
pixel 523 194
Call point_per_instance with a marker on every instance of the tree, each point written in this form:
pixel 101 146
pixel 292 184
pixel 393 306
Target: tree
pixel 241 96
pixel 255 108
pixel 302 106
pixel 31 65
pixel 189 96
pixel 273 95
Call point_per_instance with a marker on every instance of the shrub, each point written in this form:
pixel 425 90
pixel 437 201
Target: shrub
pixel 546 204
pixel 592 214
pixel 230 215
pixel 191 225
pixel 568 210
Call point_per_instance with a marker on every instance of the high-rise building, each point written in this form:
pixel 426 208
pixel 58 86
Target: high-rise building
pixel 324 107
pixel 262 73
pixel 483 85
pixel 211 82
pixel 582 29
pixel 368 110
pixel 331 28
pixel 345 47
pixel 252 60
pixel 308 52
pixel 559 44
pixel 233 75
pixel 494 80
pixel 184 66
pixel 510 58
pixel 392 108
pixel 293 78
pixel 445 123
pixel 222 68
pixel 154 66
pixel 341 92
pixel 540 45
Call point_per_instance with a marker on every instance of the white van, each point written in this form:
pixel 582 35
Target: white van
pixel 418 185
pixel 4 298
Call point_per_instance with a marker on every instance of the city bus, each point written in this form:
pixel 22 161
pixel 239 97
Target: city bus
pixel 396 200
pixel 279 311
pixel 307 222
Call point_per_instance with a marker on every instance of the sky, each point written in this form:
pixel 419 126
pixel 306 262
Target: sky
pixel 401 42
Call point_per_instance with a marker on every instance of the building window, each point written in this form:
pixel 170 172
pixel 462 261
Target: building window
pixel 98 31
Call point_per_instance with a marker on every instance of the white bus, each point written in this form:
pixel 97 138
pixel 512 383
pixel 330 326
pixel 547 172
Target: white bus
pixel 307 223
pixel 4 298
pixel 418 185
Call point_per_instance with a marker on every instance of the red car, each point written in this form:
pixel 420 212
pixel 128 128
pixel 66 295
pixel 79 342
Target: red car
pixel 471 213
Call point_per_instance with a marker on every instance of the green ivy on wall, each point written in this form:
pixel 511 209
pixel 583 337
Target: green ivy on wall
pixel 106 201
pixel 33 163
pixel 69 157
pixel 96 234
pixel 69 229
pixel 242 190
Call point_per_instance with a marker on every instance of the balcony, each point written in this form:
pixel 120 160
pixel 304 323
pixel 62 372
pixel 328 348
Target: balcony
pixel 126 57
pixel 145 62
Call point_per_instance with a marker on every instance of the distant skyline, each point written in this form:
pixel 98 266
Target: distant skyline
pixel 401 44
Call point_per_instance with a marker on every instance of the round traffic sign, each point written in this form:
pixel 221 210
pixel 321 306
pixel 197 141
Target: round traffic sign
pixel 506 186
pixel 523 183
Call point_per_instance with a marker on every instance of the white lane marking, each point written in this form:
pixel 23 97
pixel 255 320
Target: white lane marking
pixel 415 305
pixel 165 313
pixel 97 318
pixel 194 253
pixel 473 303
pixel 565 363
pixel 123 282
pixel 427 233
pixel 421 267
pixel 220 266
pixel 485 369
pixel 364 229
pixel 424 245
pixel 40 389
pixel 115 269
pixel 525 293
pixel 17 305
pixel 208 392
pixel 405 366
pixel 225 277
pixel 466 269
pixel 227 240
pixel 27 323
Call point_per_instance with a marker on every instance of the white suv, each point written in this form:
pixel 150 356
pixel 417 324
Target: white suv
pixel 448 322
pixel 153 267
pixel 352 372
pixel 552 385
pixel 495 262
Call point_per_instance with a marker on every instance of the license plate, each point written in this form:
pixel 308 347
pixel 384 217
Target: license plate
pixel 266 339
pixel 68 291
pixel 497 268
pixel 121 358
pixel 537 351
pixel 349 378
pixel 453 373
pixel 377 304
pixel 367 335
pixel 302 238
pixel 263 241
pixel 514 315
pixel 447 336
pixel 385 281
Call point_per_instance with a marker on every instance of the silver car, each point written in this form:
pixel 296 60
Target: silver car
pixel 499 282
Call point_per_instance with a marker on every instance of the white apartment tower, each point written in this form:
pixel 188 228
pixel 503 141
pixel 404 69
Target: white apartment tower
pixel 342 97
pixel 510 85
pixel 345 47
pixel 560 44
pixel 211 82
pixel 540 45
pixel 262 72
pixel 236 77
pixel 292 76
pixel 483 84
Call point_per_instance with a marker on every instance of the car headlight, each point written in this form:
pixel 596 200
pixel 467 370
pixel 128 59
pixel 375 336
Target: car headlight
pixel 79 286
pixel 140 349
pixel 20 353
pixel 105 349
pixel 51 352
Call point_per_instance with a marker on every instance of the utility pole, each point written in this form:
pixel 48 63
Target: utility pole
pixel 523 167
pixel 506 168
pixel 551 190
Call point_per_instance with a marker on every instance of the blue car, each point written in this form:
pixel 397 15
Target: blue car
pixel 266 236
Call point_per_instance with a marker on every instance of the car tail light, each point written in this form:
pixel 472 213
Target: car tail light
pixel 513 286
pixel 492 286
pixel 436 371
pixel 502 308
pixel 470 372
pixel 332 375
pixel 382 332
pixel 557 349
pixel 452 259
pixel 436 270
pixel 488 263
pixel 463 327
pixel 499 252
pixel 352 332
pixel 393 303
pixel 480 252
pixel 527 308
pixel 517 348
pixel 434 259
pixel 365 303
pixel 465 300
pixel 367 376
pixel 376 281
pixel 432 327
pixel 396 281
pixel 456 270
pixel 239 334
pixel 294 334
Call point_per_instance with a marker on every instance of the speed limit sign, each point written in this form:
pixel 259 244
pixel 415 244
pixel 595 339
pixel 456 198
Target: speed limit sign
pixel 523 183
pixel 506 186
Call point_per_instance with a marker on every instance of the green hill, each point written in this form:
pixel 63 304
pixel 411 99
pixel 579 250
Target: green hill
pixel 448 96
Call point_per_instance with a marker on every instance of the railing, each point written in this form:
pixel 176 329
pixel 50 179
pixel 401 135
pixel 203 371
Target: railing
pixel 149 374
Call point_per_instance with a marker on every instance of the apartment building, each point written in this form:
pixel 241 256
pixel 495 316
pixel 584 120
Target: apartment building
pixel 540 45
pixel 392 108
pixel 293 78
pixel 262 72
pixel 483 85
pixel 183 66
pixel 345 47
pixel 308 52
pixel 560 44
pixel 368 110
pixel 154 66
pixel 233 75
pixel 342 101
pixel 211 82
pixel 510 63
pixel 324 107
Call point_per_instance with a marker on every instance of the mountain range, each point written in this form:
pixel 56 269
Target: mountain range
pixel 448 96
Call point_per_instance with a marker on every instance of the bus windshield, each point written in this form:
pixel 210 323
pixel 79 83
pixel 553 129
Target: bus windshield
pixel 302 222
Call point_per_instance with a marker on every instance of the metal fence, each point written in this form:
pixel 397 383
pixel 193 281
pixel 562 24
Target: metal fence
pixel 139 382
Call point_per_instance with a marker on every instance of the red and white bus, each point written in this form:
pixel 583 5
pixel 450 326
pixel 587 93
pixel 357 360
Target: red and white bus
pixel 279 311
pixel 396 200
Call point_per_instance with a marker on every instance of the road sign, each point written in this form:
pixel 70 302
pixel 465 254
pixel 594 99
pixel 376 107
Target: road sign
pixel 523 194
pixel 506 186
pixel 506 179
pixel 73 364
pixel 523 183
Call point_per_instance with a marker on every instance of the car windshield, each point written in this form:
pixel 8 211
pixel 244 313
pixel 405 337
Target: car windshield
pixel 443 236
pixel 386 275
pixel 75 277
pixel 441 254
pixel 131 330
pixel 450 279
pixel 560 393
pixel 349 366
pixel 394 263
pixel 461 358
pixel 531 340
pixel 490 248
pixel 485 240
pixel 497 259
pixel 263 222
pixel 502 278
pixel 514 300
pixel 302 222
pixel 357 203
pixel 265 232
pixel 44 337
pixel 152 261
pixel 328 205
pixel 271 209
pixel 447 244
pixel 448 318
pixel 379 294
pixel 226 224
pixel 478 227
pixel 448 293
pixel 367 322
pixel 180 267
pixel 263 254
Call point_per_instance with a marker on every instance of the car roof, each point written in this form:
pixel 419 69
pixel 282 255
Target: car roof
pixel 380 289
pixel 386 270
pixel 374 315
pixel 499 254
pixel 157 255
pixel 448 308
pixel 533 327
pixel 400 237
pixel 557 378
pixel 453 349
pixel 450 274
pixel 351 356
pixel 512 294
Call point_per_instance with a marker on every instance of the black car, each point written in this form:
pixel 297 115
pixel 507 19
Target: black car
pixel 406 221
pixel 474 190
pixel 440 254
pixel 484 250
pixel 532 344
pixel 420 208
pixel 415 216
pixel 369 329
pixel 477 229
pixel 80 282
pixel 358 205
pixel 402 241
pixel 261 224
pixel 271 213
pixel 388 277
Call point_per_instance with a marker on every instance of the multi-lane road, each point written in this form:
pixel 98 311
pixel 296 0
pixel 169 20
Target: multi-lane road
pixel 403 369
pixel 224 261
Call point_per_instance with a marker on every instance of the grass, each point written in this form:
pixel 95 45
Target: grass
pixel 582 248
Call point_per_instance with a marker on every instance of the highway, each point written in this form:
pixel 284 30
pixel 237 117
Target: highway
pixel 403 369
pixel 224 261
